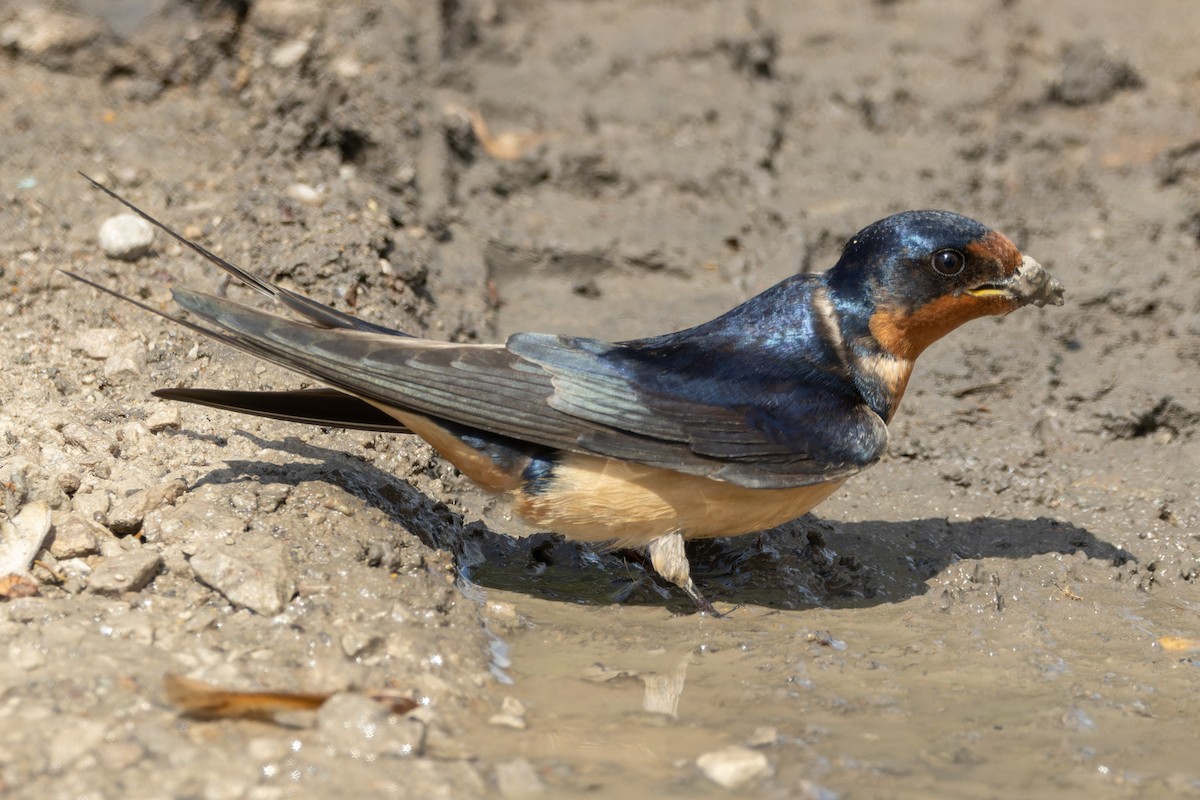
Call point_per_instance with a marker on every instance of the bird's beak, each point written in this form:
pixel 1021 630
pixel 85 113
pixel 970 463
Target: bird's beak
pixel 1030 284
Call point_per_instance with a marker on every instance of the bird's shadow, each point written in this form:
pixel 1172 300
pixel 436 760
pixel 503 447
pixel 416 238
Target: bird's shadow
pixel 805 563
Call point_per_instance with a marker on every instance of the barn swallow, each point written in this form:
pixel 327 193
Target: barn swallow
pixel 730 427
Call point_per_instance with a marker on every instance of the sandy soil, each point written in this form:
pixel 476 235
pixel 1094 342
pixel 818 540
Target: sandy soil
pixel 1006 607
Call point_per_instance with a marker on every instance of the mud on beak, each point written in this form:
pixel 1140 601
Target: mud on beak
pixel 1030 284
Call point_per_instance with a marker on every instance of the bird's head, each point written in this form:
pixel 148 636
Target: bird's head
pixel 918 275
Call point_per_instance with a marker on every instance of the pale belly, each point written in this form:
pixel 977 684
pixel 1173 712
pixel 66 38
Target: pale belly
pixel 595 499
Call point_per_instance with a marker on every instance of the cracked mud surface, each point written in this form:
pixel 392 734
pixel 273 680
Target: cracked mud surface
pixel 1005 606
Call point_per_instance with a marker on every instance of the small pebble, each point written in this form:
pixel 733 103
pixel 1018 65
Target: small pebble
pixel 501 611
pixel 127 572
pixel 511 705
pixel 272 496
pixel 288 54
pixel 74 537
pixel 46 34
pixel 346 66
pixel 130 176
pixel 69 482
pixel 512 715
pixel 126 237
pixel 164 494
pixel 127 514
pixel 89 438
pixel 127 363
pixel 92 506
pixel 303 193
pixel 1090 74
pixel 163 417
pixel 76 572
pixel 764 736
pixel 99 343
pixel 192 522
pixel 508 721
pixel 285 16
pixel 257 577
pixel 518 778
pixel 358 642
pixel 733 766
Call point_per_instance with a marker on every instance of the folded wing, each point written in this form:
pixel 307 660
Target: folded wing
pixel 574 394
pixel 725 417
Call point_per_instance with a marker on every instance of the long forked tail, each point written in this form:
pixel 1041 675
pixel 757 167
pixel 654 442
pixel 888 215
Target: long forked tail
pixel 318 313
pixel 313 406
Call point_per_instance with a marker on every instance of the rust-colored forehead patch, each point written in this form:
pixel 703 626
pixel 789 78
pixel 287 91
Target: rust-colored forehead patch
pixel 996 246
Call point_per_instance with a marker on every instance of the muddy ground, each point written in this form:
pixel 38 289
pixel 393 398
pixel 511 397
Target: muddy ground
pixel 1005 607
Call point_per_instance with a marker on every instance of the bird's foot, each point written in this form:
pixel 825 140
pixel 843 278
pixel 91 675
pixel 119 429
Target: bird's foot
pixel 702 603
pixel 670 561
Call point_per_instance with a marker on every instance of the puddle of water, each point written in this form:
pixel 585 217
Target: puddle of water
pixel 895 700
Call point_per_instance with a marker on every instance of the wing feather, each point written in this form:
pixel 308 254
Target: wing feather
pixel 560 392
pixel 714 410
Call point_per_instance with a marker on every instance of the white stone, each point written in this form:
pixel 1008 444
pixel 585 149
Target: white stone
pixel 733 766
pixel 127 572
pixel 163 417
pixel 127 363
pixel 288 54
pixel 126 237
pixel 303 193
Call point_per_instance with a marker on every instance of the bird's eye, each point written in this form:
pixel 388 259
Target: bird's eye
pixel 948 262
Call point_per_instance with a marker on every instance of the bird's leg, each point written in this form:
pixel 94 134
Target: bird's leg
pixel 670 561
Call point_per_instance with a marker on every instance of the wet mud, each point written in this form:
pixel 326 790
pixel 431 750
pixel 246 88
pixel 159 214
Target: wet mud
pixel 1006 606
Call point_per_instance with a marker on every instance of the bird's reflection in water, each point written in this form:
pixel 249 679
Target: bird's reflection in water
pixel 663 689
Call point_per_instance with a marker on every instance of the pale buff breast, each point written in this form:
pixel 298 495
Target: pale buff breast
pixel 592 498
pixel 598 499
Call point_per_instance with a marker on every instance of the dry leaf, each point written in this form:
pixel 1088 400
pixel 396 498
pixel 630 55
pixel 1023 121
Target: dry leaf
pixel 205 701
pixel 17 585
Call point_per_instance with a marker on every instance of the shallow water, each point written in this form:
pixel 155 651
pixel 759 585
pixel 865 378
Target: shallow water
pixel 1054 696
